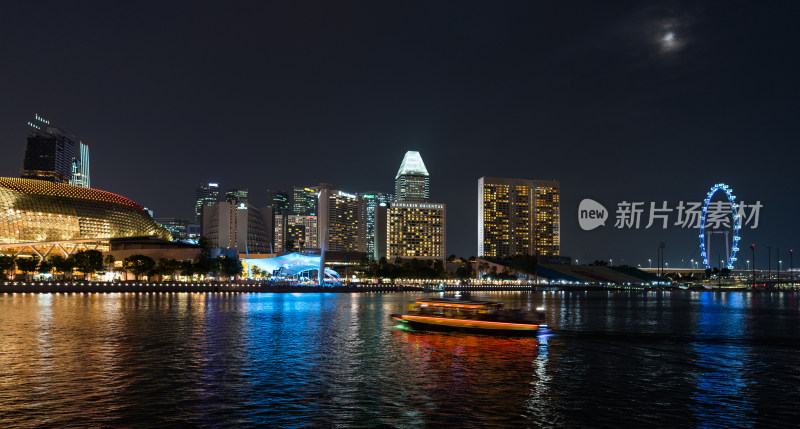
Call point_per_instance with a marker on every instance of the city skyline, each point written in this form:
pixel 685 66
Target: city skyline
pixel 642 102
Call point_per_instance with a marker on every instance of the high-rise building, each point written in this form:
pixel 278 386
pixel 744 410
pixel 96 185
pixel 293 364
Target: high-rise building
pixel 279 200
pixel 243 227
pixel 415 230
pixel 300 230
pixel 178 228
pixel 304 201
pixel 368 203
pixel 518 217
pixel 236 196
pixel 338 220
pixel 50 154
pixel 205 195
pixel 412 182
pixel 80 167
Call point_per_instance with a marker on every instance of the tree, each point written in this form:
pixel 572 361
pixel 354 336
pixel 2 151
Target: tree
pixel 59 264
pixel 188 269
pixel 482 267
pixel 289 245
pixel 28 265
pixel 7 263
pixel 465 272
pixel 110 262
pixel 45 267
pixel 230 267
pixel 523 263
pixel 138 264
pixel 451 258
pixel 88 262
pixel 168 267
pixel 214 267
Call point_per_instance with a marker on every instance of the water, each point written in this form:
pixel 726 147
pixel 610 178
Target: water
pixel 337 360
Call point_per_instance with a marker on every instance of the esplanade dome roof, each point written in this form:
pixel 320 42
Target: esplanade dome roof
pixel 37 210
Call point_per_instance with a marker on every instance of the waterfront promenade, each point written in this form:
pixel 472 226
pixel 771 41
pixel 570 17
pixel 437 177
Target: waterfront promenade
pixel 245 286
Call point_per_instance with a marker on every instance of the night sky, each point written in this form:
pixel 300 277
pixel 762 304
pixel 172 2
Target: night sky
pixel 620 101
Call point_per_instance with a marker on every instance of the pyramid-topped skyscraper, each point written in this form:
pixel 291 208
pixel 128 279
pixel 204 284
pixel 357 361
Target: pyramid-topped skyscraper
pixel 412 182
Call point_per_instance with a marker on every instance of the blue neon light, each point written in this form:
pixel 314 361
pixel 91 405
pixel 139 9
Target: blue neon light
pixel 734 207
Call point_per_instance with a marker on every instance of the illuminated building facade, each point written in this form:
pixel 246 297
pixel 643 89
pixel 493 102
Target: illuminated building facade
pixel 236 196
pixel 178 228
pixel 50 154
pixel 242 227
pixel 80 167
pixel 412 182
pixel 301 230
pixel 205 195
pixel 42 211
pixel 368 203
pixel 304 201
pixel 518 217
pixel 279 200
pixel 416 230
pixel 338 220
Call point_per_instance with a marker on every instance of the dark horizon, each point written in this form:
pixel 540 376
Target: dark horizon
pixel 623 102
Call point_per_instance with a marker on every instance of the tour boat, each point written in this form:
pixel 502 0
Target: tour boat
pixel 485 317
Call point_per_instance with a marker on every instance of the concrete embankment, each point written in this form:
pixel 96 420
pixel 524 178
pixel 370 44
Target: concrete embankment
pixel 109 287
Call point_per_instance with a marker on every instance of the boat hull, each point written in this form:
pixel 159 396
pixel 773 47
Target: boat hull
pixel 467 325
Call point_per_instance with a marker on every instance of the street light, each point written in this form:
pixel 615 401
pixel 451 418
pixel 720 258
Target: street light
pixel 650 261
pixel 748 265
pixel 753 249
pixel 612 263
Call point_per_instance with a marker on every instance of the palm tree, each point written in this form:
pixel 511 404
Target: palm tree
pixel 7 263
pixel 110 262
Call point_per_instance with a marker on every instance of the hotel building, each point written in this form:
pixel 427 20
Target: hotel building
pixel 416 230
pixel 242 227
pixel 410 227
pixel 338 220
pixel 518 217
pixel 300 229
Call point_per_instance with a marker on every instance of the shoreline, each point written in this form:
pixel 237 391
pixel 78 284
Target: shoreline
pixel 263 287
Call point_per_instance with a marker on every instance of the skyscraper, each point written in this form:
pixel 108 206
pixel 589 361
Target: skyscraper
pixel 368 203
pixel 236 196
pixel 416 230
pixel 304 201
pixel 300 230
pixel 338 220
pixel 279 200
pixel 205 195
pixel 518 217
pixel 242 227
pixel 80 167
pixel 178 228
pixel 412 182
pixel 50 154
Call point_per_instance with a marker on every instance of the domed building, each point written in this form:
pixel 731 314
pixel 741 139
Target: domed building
pixel 34 211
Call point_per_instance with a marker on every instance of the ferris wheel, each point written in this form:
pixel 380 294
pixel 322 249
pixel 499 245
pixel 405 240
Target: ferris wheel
pixel 705 233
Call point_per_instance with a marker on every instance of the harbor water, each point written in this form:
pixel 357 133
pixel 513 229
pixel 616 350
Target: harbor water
pixel 712 359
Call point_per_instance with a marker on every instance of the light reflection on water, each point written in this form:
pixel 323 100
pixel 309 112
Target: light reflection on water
pixel 287 360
